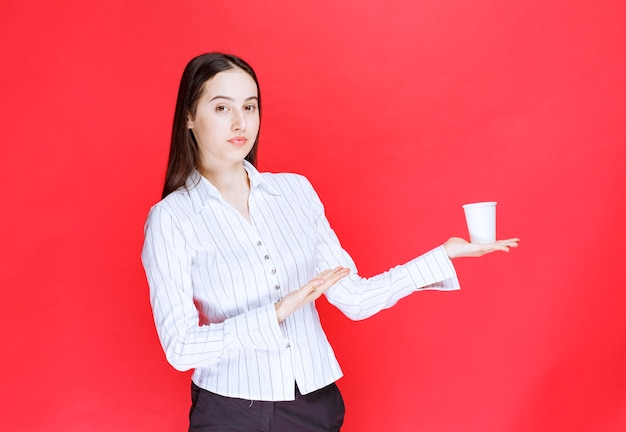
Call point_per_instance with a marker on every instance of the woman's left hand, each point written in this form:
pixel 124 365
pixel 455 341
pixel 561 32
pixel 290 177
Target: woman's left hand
pixel 457 247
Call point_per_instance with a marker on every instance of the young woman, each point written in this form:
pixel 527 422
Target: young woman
pixel 236 258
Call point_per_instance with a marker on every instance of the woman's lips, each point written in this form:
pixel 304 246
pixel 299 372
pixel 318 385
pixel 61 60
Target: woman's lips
pixel 238 141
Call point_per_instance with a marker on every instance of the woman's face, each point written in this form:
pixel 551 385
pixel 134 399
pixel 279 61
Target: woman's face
pixel 227 119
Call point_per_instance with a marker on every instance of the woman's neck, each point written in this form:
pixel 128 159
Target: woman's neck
pixel 233 184
pixel 227 179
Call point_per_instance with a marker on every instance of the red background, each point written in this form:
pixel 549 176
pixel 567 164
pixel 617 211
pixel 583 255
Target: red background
pixel 398 112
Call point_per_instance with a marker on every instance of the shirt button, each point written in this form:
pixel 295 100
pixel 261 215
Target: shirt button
pixel 277 287
pixel 259 243
pixel 287 345
pixel 273 271
pixel 266 257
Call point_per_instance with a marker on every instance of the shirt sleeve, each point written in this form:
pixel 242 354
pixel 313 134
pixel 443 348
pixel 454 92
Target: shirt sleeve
pixel 359 298
pixel 167 259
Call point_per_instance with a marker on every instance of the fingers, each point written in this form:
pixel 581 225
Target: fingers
pixel 328 278
pixel 310 291
pixel 512 242
pixel 329 273
pixel 336 274
pixel 500 245
pixel 505 245
pixel 323 281
pixel 460 248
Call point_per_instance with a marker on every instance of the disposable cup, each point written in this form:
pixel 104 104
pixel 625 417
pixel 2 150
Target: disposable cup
pixel 481 221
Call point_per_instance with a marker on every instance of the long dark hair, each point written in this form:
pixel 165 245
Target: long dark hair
pixel 183 158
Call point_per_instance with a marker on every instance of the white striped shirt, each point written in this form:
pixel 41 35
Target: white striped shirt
pixel 214 278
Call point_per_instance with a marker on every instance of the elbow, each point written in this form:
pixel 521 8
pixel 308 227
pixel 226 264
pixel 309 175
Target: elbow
pixel 179 367
pixel 181 358
pixel 354 311
pixel 356 314
pixel 177 362
pixel 357 317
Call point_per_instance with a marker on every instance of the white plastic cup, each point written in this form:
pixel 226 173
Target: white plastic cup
pixel 481 221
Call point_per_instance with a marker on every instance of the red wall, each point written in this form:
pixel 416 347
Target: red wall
pixel 398 112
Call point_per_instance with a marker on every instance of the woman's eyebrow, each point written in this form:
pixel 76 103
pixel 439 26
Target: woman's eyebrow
pixel 232 99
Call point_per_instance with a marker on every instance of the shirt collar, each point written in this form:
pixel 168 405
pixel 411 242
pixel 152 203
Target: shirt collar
pixel 201 190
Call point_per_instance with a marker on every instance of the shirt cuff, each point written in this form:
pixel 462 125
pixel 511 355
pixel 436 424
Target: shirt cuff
pixel 255 329
pixel 433 271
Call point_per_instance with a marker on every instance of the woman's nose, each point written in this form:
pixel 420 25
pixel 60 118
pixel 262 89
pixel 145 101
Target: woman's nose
pixel 239 120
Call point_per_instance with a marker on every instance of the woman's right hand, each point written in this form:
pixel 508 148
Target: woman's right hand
pixel 311 291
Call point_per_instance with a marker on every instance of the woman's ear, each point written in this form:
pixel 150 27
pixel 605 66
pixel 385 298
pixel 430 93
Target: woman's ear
pixel 189 122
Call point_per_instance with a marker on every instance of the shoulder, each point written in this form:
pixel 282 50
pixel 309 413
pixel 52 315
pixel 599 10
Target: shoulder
pixel 177 205
pixel 285 183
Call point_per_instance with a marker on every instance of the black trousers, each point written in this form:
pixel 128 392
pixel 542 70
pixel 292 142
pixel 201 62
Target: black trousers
pixel 320 411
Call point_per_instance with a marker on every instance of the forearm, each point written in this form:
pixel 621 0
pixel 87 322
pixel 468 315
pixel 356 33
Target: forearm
pixel 359 298
pixel 188 345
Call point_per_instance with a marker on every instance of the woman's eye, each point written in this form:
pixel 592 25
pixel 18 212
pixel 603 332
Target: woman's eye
pixel 250 108
pixel 220 108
